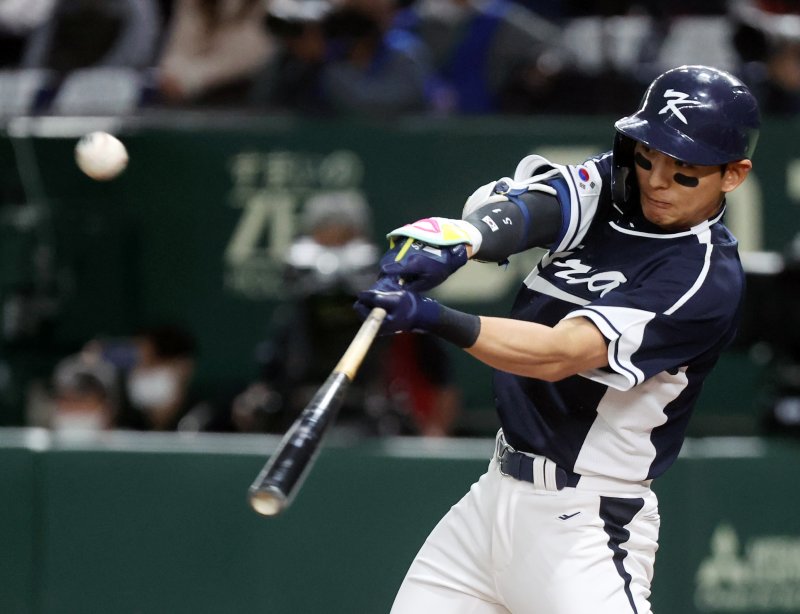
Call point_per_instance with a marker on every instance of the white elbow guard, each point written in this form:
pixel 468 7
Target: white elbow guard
pixel 503 190
pixel 529 176
pixel 484 195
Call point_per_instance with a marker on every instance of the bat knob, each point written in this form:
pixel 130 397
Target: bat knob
pixel 267 501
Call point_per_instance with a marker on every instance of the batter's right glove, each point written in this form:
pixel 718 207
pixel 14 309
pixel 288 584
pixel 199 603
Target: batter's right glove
pixel 412 312
pixel 405 311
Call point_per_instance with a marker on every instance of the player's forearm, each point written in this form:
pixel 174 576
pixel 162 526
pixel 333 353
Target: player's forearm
pixel 534 350
pixel 520 347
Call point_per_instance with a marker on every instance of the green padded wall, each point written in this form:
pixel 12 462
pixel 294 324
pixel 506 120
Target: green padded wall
pixel 150 524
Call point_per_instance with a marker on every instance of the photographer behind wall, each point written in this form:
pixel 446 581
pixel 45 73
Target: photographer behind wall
pixel 402 388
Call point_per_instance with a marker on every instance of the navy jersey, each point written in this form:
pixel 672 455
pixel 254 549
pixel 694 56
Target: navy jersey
pixel 668 303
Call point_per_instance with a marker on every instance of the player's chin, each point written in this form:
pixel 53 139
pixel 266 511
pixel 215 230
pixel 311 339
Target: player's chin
pixel 668 223
pixel 658 215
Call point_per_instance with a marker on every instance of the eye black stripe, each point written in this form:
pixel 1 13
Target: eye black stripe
pixel 686 180
pixel 642 161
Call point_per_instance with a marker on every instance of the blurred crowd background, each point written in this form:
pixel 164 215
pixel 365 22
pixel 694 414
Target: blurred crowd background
pixel 340 58
pixel 384 57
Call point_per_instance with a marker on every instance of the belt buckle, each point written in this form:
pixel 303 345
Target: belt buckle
pixel 502 449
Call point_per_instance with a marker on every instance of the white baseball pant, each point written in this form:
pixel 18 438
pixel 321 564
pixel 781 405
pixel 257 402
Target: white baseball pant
pixel 511 547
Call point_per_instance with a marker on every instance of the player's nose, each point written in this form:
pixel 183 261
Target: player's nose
pixel 660 175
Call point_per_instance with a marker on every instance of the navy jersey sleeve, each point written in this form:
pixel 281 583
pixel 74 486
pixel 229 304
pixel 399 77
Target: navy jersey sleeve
pixel 688 307
pixel 582 191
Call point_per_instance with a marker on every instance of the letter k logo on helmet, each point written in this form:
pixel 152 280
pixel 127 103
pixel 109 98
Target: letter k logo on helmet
pixel 677 98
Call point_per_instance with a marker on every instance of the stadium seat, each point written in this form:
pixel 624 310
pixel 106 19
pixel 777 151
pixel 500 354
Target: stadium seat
pixel 22 89
pixel 99 91
pixel 601 43
pixel 699 40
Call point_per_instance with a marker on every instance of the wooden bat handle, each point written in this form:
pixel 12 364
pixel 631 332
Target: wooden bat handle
pixel 354 355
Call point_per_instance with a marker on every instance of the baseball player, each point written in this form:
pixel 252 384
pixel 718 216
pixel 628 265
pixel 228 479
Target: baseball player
pixel 603 356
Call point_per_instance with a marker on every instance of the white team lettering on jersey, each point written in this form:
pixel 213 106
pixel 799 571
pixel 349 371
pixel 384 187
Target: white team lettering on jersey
pixel 603 282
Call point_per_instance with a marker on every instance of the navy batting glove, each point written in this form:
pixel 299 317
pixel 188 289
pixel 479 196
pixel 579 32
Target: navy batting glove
pixel 405 311
pixel 408 311
pixel 421 266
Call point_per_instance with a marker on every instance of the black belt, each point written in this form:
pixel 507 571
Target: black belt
pixel 537 470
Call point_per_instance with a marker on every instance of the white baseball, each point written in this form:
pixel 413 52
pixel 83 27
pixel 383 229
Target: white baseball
pixel 101 155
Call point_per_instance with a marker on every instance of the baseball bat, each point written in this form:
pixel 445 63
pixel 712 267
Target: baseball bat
pixel 281 477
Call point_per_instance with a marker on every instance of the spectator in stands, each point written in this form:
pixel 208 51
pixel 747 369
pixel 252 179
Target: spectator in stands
pixel 85 394
pixel 158 385
pixel 91 33
pixel 573 8
pixel 141 382
pixel 489 56
pixel 767 39
pixel 554 10
pixel 292 79
pixel 347 57
pixel 212 51
pixel 373 67
pixel 404 387
pixel 18 18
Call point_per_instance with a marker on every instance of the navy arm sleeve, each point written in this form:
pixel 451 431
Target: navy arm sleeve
pixel 532 219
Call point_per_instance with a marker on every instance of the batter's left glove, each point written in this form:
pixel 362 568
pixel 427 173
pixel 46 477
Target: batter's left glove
pixel 419 265
pixel 426 252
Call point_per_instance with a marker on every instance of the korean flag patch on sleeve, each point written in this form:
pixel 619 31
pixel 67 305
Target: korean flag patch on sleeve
pixel 586 178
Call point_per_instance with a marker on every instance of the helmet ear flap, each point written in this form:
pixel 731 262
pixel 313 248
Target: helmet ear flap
pixel 623 186
pixel 620 187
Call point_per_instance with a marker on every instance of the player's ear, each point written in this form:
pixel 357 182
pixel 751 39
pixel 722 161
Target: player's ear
pixel 735 173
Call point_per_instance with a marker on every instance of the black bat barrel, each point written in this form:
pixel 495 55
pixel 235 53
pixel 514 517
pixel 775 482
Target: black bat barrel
pixel 282 476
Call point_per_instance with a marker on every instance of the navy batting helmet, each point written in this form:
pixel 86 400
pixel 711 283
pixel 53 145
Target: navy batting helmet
pixel 696 114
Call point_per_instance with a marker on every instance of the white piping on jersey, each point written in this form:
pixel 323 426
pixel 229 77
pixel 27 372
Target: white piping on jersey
pixel 525 172
pixel 541 285
pixel 703 233
pixel 581 213
pixel 575 213
pixel 582 209
pixel 700 229
pixel 624 328
pixel 574 201
pixel 697 282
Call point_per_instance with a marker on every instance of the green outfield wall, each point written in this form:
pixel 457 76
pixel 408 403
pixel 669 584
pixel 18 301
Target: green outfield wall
pixel 193 230
pixel 157 524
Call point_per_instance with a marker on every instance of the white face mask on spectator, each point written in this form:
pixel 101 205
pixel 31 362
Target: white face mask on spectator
pixel 79 422
pixel 153 387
